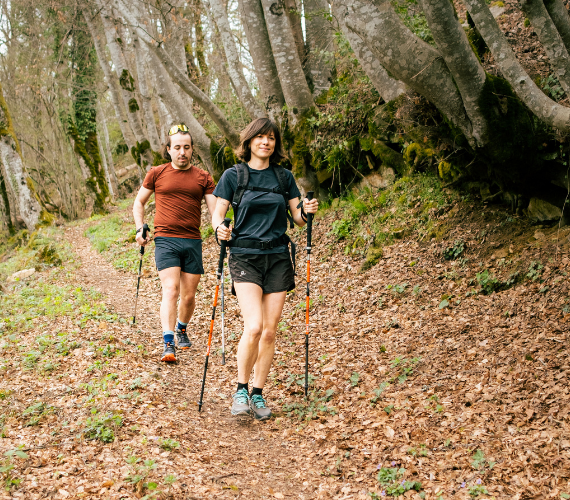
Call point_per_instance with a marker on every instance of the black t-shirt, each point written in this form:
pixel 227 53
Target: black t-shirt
pixel 261 216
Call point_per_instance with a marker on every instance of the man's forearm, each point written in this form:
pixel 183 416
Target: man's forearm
pixel 138 213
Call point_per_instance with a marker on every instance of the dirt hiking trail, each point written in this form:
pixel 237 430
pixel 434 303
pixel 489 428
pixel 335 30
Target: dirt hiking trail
pixel 419 374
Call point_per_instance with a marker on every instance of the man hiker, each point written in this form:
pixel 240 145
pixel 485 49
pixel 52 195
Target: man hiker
pixel 178 187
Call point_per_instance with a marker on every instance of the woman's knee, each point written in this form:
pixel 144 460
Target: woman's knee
pixel 268 336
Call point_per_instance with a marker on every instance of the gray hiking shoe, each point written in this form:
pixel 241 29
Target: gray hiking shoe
pixel 259 408
pixel 241 403
pixel 183 340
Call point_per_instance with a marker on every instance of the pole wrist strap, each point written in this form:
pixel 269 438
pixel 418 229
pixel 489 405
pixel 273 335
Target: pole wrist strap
pixel 303 213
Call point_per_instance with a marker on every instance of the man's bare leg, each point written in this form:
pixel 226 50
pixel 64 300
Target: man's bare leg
pixel 170 281
pixel 188 285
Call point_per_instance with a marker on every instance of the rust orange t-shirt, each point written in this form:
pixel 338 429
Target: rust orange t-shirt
pixel 178 196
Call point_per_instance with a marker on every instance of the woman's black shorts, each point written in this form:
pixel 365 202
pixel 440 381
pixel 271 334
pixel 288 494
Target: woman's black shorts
pixel 272 272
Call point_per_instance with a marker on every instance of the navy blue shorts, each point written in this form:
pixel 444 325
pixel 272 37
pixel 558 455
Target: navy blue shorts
pixel 184 253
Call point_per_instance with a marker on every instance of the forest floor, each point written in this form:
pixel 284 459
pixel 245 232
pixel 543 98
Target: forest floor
pixel 440 372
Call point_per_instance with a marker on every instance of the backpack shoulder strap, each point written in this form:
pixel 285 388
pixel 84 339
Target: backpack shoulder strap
pixel 242 182
pixel 284 187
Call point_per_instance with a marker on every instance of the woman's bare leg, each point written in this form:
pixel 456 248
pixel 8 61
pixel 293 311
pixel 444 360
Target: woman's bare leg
pixel 261 314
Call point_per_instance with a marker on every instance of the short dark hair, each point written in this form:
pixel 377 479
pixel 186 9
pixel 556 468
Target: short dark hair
pixel 164 148
pixel 261 126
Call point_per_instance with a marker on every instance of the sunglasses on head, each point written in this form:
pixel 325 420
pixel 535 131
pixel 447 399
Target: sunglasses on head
pixel 177 128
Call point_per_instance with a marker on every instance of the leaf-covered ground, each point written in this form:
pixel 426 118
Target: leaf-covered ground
pixel 441 370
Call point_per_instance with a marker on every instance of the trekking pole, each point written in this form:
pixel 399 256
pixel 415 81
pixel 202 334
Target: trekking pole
pixel 144 231
pixel 219 276
pixel 223 335
pixel 309 234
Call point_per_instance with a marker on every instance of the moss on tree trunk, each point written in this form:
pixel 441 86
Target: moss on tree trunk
pixel 6 203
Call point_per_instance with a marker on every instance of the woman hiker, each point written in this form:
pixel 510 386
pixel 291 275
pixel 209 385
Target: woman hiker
pixel 259 262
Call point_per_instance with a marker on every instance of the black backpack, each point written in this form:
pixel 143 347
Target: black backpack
pixel 242 171
pixel 243 186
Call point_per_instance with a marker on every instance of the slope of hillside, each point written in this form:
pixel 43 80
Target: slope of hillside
pixel 439 365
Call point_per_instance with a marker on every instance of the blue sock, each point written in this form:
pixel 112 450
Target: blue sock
pixel 168 337
pixel 180 325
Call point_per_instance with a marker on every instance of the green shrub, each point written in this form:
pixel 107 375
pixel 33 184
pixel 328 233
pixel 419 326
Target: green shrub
pixel 341 229
pixel 102 427
pixel 454 251
pixel 391 482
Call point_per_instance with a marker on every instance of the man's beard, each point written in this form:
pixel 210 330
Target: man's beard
pixel 186 164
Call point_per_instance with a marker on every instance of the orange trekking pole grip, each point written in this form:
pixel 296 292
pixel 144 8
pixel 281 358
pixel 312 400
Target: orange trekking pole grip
pixel 309 235
pixel 219 279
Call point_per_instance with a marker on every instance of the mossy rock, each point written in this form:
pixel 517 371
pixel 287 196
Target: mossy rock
pixel 373 255
pixel 417 155
pixel 46 219
pixel 48 255
pixel 384 153
pixel 437 231
pixel 428 206
pixel 447 171
pixel 400 234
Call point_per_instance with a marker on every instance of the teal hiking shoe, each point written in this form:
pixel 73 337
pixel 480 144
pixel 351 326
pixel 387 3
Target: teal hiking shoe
pixel 259 408
pixel 240 405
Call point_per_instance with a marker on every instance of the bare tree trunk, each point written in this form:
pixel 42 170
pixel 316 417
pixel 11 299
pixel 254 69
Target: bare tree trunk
pixel 386 86
pixel 550 39
pixel 166 120
pixel 19 182
pixel 407 57
pixel 5 203
pixel 106 153
pixel 181 78
pixel 459 57
pixel 142 64
pixel 106 169
pixel 218 62
pixel 559 15
pixel 168 94
pixel 320 45
pixel 293 82
pixel 262 55
pixel 128 91
pixel 294 14
pixel 112 83
pixel 199 49
pixel 549 111
pixel 235 71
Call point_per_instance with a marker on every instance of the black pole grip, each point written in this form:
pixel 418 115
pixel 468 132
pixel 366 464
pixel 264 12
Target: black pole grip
pixel 309 221
pixel 144 231
pixel 226 223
